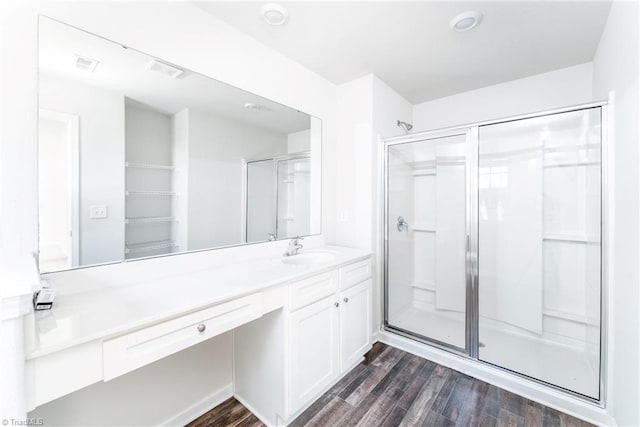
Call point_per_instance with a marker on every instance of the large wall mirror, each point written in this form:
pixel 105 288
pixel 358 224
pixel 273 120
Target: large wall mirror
pixel 139 157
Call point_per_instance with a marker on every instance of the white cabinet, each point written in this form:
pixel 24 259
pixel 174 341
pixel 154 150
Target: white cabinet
pixel 329 335
pixel 292 340
pixel 355 324
pixel 314 349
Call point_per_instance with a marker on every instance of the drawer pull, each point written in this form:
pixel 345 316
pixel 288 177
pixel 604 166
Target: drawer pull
pixel 337 304
pixel 202 327
pixel 346 299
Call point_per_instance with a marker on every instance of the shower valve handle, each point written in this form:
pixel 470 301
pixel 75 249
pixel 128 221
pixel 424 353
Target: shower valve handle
pixel 402 224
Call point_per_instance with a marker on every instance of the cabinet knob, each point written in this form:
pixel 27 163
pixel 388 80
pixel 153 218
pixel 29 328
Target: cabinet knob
pixel 202 327
pixel 337 304
pixel 346 299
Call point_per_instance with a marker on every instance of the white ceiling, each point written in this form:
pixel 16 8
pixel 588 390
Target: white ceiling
pixel 410 46
pixel 123 71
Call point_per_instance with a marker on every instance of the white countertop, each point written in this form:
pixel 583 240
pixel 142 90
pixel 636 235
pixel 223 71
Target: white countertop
pixel 101 312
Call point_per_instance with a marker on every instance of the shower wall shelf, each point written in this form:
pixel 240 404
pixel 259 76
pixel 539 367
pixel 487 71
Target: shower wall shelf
pixel 150 246
pixel 137 165
pixel 424 229
pixel 151 193
pixel 151 219
pixel 428 286
pixel 574 317
pixel 569 238
pixel 424 172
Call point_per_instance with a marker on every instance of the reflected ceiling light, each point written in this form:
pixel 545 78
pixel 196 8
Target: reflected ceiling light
pixel 274 13
pixel 466 21
pixel 256 107
pixel 164 69
pixel 86 64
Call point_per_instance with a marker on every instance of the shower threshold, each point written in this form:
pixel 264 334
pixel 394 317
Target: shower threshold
pixel 556 363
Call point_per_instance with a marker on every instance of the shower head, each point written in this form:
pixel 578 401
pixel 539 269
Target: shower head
pixel 404 125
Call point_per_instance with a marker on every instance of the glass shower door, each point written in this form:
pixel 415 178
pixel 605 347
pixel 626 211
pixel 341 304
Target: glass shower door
pixel 426 239
pixel 261 201
pixel 539 209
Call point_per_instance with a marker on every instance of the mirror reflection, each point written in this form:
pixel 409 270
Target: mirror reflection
pixel 139 157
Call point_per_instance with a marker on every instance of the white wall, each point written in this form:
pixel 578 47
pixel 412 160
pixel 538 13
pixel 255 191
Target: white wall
pixel 102 135
pixel 180 179
pixel 367 111
pixel 560 88
pixel 217 147
pixel 354 117
pixel 179 33
pixel 388 108
pixel 615 68
pixel 148 135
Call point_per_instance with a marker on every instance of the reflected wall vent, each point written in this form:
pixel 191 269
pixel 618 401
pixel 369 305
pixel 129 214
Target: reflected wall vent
pixel 86 64
pixel 164 69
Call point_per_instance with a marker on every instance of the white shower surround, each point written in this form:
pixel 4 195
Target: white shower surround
pixel 523 326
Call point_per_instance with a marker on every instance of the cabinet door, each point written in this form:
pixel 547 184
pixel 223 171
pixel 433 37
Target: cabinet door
pixel 355 324
pixel 313 348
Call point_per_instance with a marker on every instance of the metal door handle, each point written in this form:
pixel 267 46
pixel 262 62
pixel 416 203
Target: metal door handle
pixel 202 327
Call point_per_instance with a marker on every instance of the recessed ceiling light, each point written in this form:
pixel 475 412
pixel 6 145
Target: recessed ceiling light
pixel 274 13
pixel 466 21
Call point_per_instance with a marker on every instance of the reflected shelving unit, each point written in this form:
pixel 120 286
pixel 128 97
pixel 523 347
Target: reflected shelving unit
pixel 150 222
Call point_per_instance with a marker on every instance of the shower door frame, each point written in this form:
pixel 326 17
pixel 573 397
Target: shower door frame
pixel 435 135
pixel 471 350
pixel 245 187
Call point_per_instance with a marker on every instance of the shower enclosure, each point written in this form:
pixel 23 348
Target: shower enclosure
pixel 493 243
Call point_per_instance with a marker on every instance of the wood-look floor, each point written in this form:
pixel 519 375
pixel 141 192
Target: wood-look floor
pixel 395 388
pixel 228 413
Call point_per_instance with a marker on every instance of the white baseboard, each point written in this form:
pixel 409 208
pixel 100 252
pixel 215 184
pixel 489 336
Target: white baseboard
pixel 199 408
pixel 531 390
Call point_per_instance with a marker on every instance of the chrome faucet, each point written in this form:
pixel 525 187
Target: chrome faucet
pixel 294 246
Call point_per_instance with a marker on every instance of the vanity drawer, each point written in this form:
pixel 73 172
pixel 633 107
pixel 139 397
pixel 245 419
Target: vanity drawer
pixel 314 288
pixel 355 273
pixel 139 348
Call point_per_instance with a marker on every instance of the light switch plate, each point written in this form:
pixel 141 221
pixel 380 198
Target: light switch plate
pixel 98 211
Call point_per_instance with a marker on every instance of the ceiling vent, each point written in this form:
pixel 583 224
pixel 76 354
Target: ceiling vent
pixel 164 69
pixel 86 64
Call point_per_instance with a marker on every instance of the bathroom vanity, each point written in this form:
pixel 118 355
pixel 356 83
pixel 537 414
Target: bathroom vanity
pixel 299 323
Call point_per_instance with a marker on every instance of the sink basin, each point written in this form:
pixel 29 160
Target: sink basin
pixel 310 257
